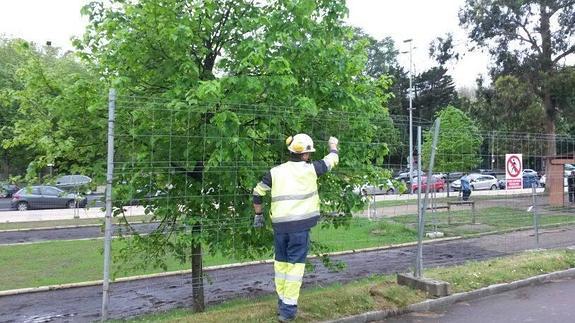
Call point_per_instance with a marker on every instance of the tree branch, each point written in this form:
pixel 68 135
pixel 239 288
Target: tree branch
pixel 567 4
pixel 564 54
pixel 529 38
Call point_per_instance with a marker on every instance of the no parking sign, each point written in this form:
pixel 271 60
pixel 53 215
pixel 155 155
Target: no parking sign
pixel 514 171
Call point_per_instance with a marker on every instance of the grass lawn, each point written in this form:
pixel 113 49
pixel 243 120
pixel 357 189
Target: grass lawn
pixel 58 262
pixel 442 200
pixel 376 293
pixel 487 220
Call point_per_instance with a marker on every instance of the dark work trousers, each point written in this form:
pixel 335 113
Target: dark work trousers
pixel 290 255
pixel 466 194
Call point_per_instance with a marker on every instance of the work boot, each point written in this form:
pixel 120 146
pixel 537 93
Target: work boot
pixel 285 319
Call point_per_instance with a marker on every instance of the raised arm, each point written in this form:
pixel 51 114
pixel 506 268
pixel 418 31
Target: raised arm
pixel 330 160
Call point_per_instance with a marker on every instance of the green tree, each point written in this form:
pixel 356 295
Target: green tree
pixel 529 39
pixel 382 62
pixel 563 86
pixel 458 143
pixel 441 49
pixel 229 81
pixel 510 104
pixel 59 115
pixel 14 161
pixel 434 89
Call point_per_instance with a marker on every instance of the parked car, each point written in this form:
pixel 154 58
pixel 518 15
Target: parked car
pixel 478 182
pixel 437 184
pixel 568 169
pixel 530 172
pixel 369 189
pixel 486 172
pixel 404 176
pixel 543 179
pixel 528 181
pixel 73 183
pixel 450 177
pixel 7 190
pixel 45 197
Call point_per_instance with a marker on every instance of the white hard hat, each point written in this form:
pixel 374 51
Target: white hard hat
pixel 300 144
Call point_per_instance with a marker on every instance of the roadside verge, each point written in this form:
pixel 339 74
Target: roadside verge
pixel 378 297
pixel 440 303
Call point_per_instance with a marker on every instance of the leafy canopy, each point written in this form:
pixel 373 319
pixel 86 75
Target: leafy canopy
pixel 458 143
pixel 220 85
pixel 530 40
pixel 55 112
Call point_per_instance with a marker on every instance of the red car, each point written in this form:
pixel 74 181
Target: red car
pixel 437 184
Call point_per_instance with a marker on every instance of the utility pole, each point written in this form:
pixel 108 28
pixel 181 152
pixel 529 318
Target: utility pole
pixel 410 114
pixel 492 149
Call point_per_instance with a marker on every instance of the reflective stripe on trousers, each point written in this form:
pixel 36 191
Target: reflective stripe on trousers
pixel 288 281
pixel 289 265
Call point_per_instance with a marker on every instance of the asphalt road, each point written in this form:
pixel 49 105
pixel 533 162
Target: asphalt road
pixel 162 293
pixel 96 231
pixel 549 303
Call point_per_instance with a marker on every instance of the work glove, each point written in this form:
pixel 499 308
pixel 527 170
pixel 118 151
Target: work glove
pixel 333 142
pixel 258 221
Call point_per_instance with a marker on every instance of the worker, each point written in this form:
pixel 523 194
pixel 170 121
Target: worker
pixel 571 187
pixel 465 187
pixel 294 211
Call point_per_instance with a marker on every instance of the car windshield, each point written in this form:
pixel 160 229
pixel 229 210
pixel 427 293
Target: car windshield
pixel 29 191
pixel 52 191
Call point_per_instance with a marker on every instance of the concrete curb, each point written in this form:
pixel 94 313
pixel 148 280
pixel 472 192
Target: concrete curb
pixel 11 292
pixel 433 304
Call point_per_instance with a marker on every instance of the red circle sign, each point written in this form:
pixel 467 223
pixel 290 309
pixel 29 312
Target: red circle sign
pixel 513 166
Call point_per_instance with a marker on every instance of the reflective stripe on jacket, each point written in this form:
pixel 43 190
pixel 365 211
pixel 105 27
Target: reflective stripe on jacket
pixel 294 196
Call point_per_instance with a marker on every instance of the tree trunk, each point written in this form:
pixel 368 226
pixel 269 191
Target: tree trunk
pixel 197 272
pixel 546 74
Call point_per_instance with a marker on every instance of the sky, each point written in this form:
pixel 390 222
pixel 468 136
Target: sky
pixel 421 20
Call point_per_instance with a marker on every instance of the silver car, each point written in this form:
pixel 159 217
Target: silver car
pixel 478 182
pixel 45 197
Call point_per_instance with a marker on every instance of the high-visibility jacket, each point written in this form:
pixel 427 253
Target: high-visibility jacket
pixel 294 195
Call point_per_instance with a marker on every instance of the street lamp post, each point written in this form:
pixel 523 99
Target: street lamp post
pixel 410 115
pixel 51 166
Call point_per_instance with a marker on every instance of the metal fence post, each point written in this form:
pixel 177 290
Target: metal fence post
pixel 422 206
pixel 109 177
pixel 420 229
pixel 535 215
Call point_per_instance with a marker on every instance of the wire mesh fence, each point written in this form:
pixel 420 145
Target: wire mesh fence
pixel 157 173
pixel 182 187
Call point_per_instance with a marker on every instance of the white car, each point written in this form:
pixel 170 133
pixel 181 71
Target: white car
pixel 568 169
pixel 478 182
pixel 543 179
pixel 369 189
pixel 529 172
